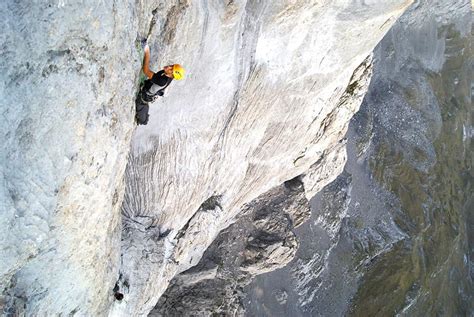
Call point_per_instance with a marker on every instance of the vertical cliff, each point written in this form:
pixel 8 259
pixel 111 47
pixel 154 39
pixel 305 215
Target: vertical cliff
pixel 392 234
pixel 92 206
pixel 269 95
pixel 68 77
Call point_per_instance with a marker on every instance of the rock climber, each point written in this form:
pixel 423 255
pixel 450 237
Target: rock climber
pixel 154 86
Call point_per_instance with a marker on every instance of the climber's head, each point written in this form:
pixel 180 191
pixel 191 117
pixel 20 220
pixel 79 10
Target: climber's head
pixel 174 71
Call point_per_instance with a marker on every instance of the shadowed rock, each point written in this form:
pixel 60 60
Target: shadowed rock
pixel 261 240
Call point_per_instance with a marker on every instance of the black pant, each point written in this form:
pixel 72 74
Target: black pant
pixel 142 109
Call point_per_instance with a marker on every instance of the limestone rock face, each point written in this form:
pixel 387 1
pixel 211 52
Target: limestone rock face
pixel 68 76
pixel 261 105
pixel 261 240
pixel 392 235
pixel 269 91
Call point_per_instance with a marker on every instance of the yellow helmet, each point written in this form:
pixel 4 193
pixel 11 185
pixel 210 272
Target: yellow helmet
pixel 178 72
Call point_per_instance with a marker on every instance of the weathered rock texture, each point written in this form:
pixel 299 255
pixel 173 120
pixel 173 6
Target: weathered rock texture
pixel 268 96
pixel 261 240
pixel 68 77
pixel 391 235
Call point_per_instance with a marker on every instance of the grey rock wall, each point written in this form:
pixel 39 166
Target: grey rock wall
pixel 261 240
pixel 265 98
pixel 391 235
pixel 69 71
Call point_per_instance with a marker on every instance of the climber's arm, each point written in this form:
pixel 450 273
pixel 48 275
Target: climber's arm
pixel 146 62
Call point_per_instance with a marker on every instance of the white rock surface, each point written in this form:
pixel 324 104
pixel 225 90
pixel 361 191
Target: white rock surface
pixel 358 253
pixel 259 106
pixel 68 74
